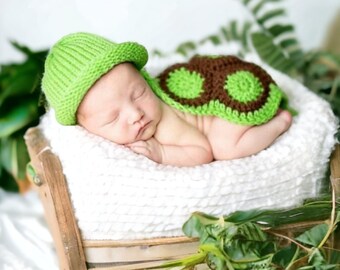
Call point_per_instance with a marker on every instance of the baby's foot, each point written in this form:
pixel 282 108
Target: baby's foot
pixel 285 117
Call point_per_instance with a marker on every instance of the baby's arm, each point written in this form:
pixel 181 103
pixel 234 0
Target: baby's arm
pixel 196 152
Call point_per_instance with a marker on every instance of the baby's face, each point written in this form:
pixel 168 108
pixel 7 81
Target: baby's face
pixel 120 107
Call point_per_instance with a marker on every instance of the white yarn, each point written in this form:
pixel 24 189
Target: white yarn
pixel 118 194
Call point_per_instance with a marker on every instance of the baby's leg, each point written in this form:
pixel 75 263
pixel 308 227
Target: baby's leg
pixel 253 139
pixel 260 137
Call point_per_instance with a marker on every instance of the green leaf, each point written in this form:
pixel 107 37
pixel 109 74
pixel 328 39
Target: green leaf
pixel 334 255
pixel 14 156
pixel 31 55
pixel 157 53
pixel 23 80
pixel 245 35
pixel 195 225
pixel 271 53
pixel 260 5
pixel 279 29
pixel 316 258
pixel 216 262
pixel 215 258
pixel 225 33
pixel 313 236
pixel 22 157
pixel 18 117
pixel 244 216
pixel 214 39
pixel 263 263
pixel 7 182
pixel 251 231
pixel 296 56
pixel 289 42
pixel 311 211
pixel 246 2
pixel 242 251
pixel 227 231
pixel 233 30
pixel 285 255
pixel 24 49
pixel 211 248
pixel 270 14
pixel 185 47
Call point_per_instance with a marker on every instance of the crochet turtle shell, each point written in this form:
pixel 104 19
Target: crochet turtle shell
pixel 223 86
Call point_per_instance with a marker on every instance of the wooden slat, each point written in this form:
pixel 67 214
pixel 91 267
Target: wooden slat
pixel 140 253
pixel 335 170
pixel 144 265
pixel 140 242
pixel 55 199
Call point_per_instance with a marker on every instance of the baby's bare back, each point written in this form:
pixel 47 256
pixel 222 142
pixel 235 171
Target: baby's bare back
pixel 226 140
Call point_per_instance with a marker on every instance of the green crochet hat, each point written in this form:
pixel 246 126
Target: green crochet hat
pixel 76 62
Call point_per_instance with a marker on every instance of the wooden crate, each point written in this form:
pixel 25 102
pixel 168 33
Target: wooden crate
pixel 74 252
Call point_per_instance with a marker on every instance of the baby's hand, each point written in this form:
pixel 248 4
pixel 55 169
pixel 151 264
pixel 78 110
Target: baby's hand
pixel 151 148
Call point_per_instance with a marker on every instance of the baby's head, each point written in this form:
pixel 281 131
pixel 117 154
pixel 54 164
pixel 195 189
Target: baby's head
pixel 96 83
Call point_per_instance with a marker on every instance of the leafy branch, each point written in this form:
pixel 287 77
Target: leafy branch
pixel 19 109
pixel 234 31
pixel 276 44
pixel 255 239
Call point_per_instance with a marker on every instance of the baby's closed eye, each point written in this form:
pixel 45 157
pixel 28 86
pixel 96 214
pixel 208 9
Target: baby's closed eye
pixel 138 93
pixel 112 119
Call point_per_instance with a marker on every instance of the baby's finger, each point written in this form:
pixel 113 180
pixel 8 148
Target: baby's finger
pixel 136 144
pixel 140 149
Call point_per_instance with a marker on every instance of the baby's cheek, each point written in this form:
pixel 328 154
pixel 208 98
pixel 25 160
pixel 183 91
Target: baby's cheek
pixel 114 135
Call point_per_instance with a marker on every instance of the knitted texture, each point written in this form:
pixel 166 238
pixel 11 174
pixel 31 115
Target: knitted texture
pixel 76 62
pixel 224 86
pixel 117 194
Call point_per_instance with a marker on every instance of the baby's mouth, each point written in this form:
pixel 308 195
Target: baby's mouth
pixel 142 129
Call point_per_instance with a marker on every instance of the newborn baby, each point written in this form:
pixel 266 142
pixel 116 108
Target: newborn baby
pixel 99 85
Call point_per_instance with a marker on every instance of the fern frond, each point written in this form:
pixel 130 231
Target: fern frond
pixel 270 52
pixel 289 42
pixel 225 33
pixel 185 47
pixel 245 35
pixel 269 15
pixel 214 39
pixel 239 32
pixel 261 4
pixel 279 29
pixel 246 2
pixel 233 30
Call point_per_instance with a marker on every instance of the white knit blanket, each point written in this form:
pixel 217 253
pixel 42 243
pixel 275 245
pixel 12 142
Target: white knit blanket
pixel 118 194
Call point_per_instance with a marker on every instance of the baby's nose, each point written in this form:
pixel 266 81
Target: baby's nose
pixel 135 114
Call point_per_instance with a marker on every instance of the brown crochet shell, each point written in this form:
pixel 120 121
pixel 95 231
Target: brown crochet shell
pixel 215 70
